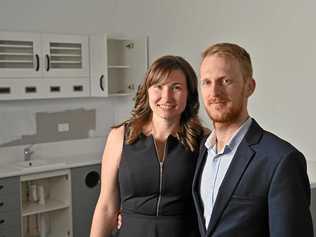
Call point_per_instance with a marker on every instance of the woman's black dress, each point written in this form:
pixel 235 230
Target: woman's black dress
pixel 156 197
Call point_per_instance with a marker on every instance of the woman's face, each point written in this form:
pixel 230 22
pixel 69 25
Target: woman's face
pixel 168 98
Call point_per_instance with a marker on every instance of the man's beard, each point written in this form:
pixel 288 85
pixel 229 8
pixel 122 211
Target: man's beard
pixel 229 116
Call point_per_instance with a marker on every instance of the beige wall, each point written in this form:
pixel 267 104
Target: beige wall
pixel 280 35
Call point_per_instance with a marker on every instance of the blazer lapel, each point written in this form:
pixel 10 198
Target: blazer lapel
pixel 234 173
pixel 196 186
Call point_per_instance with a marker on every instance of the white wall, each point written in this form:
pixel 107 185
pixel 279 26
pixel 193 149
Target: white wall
pixel 279 34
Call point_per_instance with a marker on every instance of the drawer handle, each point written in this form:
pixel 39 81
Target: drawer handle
pixel 1 204
pixel 1 221
pixel 1 187
pixel 5 90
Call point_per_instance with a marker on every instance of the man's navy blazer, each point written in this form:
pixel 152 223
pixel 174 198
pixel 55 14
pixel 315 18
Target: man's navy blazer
pixel 265 191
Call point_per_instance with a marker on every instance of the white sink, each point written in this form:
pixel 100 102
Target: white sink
pixel 38 164
pixel 31 163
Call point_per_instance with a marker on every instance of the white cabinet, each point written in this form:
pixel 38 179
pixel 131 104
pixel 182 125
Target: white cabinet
pixel 34 65
pixel 20 55
pixel 46 204
pixel 65 56
pixel 118 64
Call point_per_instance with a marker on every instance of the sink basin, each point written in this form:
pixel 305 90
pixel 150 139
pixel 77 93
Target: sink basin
pixel 31 163
pixel 38 164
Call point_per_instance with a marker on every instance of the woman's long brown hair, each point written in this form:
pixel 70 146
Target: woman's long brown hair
pixel 190 131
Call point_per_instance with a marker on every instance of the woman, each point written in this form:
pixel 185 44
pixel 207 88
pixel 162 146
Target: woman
pixel 149 160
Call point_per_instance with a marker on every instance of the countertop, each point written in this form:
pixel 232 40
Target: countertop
pixel 52 163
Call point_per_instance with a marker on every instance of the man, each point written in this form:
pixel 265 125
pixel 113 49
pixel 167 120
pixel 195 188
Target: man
pixel 248 182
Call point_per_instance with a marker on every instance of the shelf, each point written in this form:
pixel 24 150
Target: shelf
pixel 60 234
pixel 118 66
pixel 36 208
pixel 54 189
pixel 120 94
pixel 54 234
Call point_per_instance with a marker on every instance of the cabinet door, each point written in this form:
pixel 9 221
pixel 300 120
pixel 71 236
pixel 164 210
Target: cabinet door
pixel 127 64
pixel 118 65
pixel 20 55
pixel 85 191
pixel 10 208
pixel 99 74
pixel 65 56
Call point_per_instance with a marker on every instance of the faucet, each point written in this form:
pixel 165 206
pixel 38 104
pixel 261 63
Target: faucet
pixel 28 153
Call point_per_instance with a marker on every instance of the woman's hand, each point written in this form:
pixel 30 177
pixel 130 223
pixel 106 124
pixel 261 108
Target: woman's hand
pixel 119 221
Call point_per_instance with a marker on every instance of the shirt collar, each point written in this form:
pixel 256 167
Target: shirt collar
pixel 233 141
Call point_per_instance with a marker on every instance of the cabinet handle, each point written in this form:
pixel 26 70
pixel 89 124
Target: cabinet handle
pixel 1 204
pixel 37 62
pixel 1 186
pixel 2 221
pixel 48 62
pixel 101 82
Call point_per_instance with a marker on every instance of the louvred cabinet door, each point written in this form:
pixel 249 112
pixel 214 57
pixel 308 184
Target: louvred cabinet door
pixel 40 65
pixel 65 56
pixel 20 55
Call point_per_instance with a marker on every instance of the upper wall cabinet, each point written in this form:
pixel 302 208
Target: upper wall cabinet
pixel 118 64
pixel 65 55
pixel 34 65
pixel 20 55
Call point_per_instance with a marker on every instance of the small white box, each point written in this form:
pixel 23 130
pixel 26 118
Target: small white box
pixel 63 127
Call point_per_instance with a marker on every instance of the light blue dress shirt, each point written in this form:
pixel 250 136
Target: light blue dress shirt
pixel 216 166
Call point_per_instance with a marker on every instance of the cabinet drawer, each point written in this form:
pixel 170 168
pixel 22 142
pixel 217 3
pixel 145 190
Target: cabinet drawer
pixel 9 185
pixel 14 232
pixel 9 221
pixel 10 201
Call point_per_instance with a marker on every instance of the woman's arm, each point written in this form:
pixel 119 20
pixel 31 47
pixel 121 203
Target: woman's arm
pixel 107 208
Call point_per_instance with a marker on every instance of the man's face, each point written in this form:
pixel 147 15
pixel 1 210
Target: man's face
pixel 224 90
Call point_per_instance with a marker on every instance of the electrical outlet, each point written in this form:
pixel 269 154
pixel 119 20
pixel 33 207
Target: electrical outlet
pixel 63 127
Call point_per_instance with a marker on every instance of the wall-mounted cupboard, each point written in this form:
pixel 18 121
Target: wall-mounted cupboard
pixel 41 65
pixel 118 64
pixel 35 65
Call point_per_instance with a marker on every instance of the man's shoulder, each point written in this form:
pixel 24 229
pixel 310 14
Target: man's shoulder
pixel 268 140
pixel 271 143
